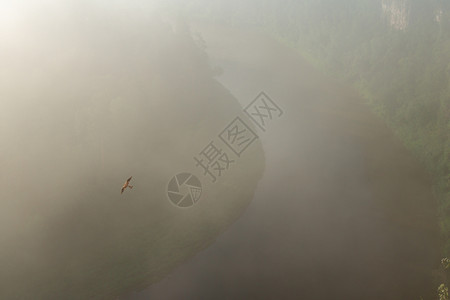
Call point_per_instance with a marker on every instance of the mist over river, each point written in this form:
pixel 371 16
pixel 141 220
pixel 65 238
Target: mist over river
pixel 342 211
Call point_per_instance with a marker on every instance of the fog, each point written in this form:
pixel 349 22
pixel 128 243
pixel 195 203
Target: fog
pixel 325 202
pixel 92 93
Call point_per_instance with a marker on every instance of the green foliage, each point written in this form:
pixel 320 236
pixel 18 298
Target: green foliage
pixel 445 263
pixel 404 74
pixel 443 292
pixel 443 288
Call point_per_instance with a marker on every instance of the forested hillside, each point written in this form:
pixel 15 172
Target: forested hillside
pixel 395 52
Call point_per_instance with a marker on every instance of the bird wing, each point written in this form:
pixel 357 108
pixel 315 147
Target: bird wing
pixel 126 184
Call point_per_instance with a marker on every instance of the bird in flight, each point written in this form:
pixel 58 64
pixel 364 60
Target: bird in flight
pixel 126 184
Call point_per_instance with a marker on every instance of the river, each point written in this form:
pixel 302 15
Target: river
pixel 342 212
